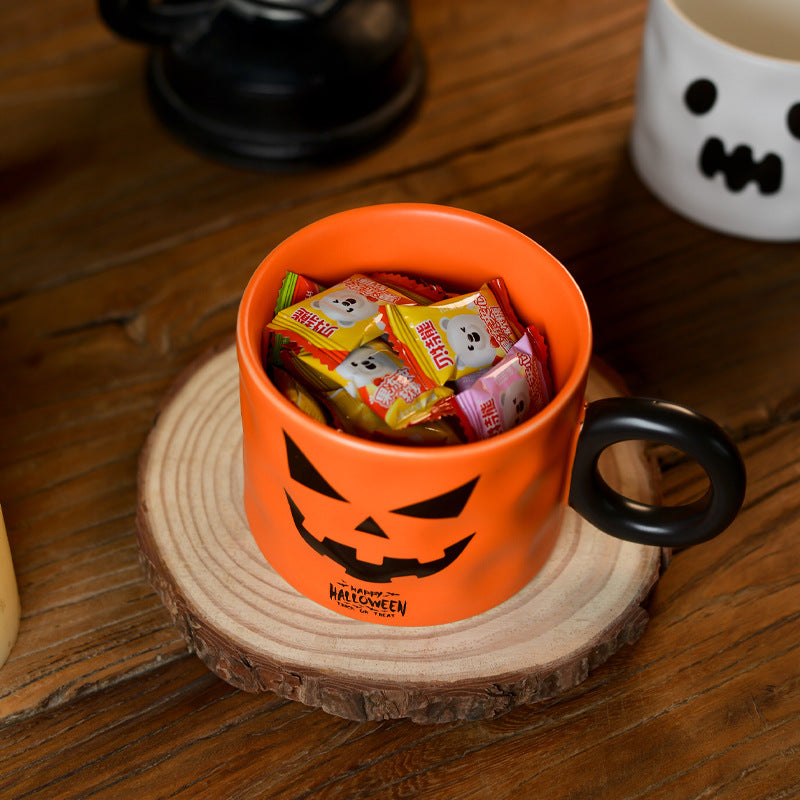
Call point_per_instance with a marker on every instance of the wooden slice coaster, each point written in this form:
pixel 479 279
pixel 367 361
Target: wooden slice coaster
pixel 257 633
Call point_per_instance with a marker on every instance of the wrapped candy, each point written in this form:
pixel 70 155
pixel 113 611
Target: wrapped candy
pixel 294 289
pixel 458 364
pixel 376 375
pixel 297 393
pixel 336 321
pixel 354 416
pixel 507 393
pixel 447 340
pixel 420 291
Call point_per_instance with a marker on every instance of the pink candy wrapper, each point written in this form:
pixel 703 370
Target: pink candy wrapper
pixel 507 393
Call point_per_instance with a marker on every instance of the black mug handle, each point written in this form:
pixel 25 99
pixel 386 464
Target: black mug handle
pixel 619 419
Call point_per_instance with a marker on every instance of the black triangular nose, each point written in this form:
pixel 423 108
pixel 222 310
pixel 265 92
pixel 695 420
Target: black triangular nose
pixel 370 526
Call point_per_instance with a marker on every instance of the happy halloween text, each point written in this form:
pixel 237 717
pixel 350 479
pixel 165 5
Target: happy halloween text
pixel 368 601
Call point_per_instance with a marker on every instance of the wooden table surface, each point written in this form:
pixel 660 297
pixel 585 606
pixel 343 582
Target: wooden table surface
pixel 123 256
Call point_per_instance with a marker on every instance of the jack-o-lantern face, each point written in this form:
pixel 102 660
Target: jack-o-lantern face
pixel 443 506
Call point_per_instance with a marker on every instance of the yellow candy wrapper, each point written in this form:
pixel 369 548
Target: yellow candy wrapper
pixel 310 371
pixel 295 392
pixel 374 373
pixel 355 417
pixel 447 340
pixel 335 322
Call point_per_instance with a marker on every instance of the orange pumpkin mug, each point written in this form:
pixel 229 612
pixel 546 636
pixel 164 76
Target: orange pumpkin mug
pixel 404 535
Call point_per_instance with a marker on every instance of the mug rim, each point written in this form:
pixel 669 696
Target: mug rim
pixel 249 355
pixel 739 50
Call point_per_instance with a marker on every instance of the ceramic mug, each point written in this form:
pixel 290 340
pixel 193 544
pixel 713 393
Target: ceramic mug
pixel 716 131
pixel 407 535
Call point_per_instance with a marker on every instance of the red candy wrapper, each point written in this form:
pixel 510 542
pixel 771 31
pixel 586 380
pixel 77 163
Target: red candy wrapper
pixel 422 292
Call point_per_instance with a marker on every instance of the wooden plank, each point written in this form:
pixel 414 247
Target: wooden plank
pixel 113 352
pixel 123 256
pixel 713 709
pixel 102 118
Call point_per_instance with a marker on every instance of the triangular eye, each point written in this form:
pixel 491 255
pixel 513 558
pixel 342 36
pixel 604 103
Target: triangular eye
pixel 449 504
pixel 303 471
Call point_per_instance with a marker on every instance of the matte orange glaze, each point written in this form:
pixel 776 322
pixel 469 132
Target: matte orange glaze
pixel 504 521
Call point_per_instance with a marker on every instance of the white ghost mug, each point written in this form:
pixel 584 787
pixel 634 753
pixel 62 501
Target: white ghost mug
pixel 716 131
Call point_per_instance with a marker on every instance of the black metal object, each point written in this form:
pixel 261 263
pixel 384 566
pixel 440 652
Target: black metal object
pixel 621 418
pixel 279 84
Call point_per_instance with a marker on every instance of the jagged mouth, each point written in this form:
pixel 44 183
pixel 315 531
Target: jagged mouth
pixel 739 168
pixel 389 568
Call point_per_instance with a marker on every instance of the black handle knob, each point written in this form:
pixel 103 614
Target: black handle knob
pixel 623 418
pixel 286 10
pixel 159 23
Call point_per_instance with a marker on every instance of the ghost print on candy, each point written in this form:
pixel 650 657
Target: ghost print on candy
pixel 345 306
pixel 469 339
pixel 363 366
pixel 716 133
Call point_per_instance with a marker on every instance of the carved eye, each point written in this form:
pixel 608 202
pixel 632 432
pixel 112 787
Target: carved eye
pixel 449 504
pixel 793 120
pixel 443 506
pixel 700 96
pixel 303 471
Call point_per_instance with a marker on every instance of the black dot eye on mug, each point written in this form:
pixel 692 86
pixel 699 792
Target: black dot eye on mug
pixel 700 96
pixel 793 120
